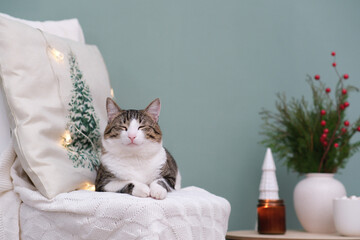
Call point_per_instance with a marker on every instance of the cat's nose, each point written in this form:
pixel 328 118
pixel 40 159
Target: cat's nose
pixel 132 138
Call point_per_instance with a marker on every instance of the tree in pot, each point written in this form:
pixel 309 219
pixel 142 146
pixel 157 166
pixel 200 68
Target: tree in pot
pixel 314 139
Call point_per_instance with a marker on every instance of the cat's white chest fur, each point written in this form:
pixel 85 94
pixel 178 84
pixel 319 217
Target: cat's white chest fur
pixel 142 166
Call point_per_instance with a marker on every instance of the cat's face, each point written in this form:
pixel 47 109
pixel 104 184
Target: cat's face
pixel 132 129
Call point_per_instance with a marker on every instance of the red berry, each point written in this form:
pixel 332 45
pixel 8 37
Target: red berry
pixel 326 130
pixel 334 64
pixel 346 123
pixel 358 128
pixel 346 104
pixel 343 130
pixel 317 77
pixel 323 112
pixel 327 90
pixel 346 76
pixel 324 136
pixel 333 53
pixel 342 106
pixel 344 91
pixel 323 123
pixel 325 143
pixel 336 145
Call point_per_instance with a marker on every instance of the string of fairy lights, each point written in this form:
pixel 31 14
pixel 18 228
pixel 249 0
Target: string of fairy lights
pixel 65 138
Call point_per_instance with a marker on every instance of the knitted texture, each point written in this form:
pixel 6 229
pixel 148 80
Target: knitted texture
pixel 189 213
pixel 9 201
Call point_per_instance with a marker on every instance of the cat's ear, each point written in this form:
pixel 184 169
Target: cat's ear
pixel 154 109
pixel 112 109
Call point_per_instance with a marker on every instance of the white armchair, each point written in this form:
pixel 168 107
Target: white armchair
pixel 189 213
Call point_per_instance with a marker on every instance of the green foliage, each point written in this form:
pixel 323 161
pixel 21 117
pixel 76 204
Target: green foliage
pixel 295 134
pixel 85 146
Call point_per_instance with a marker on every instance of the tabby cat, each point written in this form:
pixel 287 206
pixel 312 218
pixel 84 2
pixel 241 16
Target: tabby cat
pixel 133 159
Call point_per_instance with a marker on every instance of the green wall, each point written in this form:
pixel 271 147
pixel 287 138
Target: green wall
pixel 215 64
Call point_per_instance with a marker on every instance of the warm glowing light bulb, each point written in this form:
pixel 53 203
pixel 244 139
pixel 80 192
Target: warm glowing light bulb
pixel 112 92
pixel 56 54
pixel 91 187
pixel 87 186
pixel 67 138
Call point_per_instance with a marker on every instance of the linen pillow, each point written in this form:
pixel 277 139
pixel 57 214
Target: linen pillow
pixel 68 28
pixel 56 91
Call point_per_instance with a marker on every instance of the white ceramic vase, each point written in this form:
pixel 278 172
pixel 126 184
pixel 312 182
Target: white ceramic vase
pixel 313 201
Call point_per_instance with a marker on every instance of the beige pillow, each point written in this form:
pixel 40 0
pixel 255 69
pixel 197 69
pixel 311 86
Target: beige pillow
pixel 68 28
pixel 56 91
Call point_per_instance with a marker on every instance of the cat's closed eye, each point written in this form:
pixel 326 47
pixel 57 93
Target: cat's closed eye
pixel 141 127
pixel 123 128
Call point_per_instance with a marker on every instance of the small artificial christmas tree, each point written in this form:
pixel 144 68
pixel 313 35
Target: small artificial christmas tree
pixel 84 147
pixel 269 188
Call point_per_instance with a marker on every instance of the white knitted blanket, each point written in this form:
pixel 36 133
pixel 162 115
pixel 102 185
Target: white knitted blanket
pixel 189 213
pixel 9 201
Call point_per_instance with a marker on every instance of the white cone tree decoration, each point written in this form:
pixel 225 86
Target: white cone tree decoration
pixel 268 185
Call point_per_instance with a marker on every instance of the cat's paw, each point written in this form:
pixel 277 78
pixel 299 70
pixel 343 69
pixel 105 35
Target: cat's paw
pixel 141 190
pixel 157 191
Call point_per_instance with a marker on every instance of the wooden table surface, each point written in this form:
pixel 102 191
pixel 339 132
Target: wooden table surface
pixel 290 234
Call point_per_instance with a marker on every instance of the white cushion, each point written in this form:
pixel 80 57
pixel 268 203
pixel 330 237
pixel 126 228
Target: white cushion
pixel 53 86
pixel 70 29
pixel 67 28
